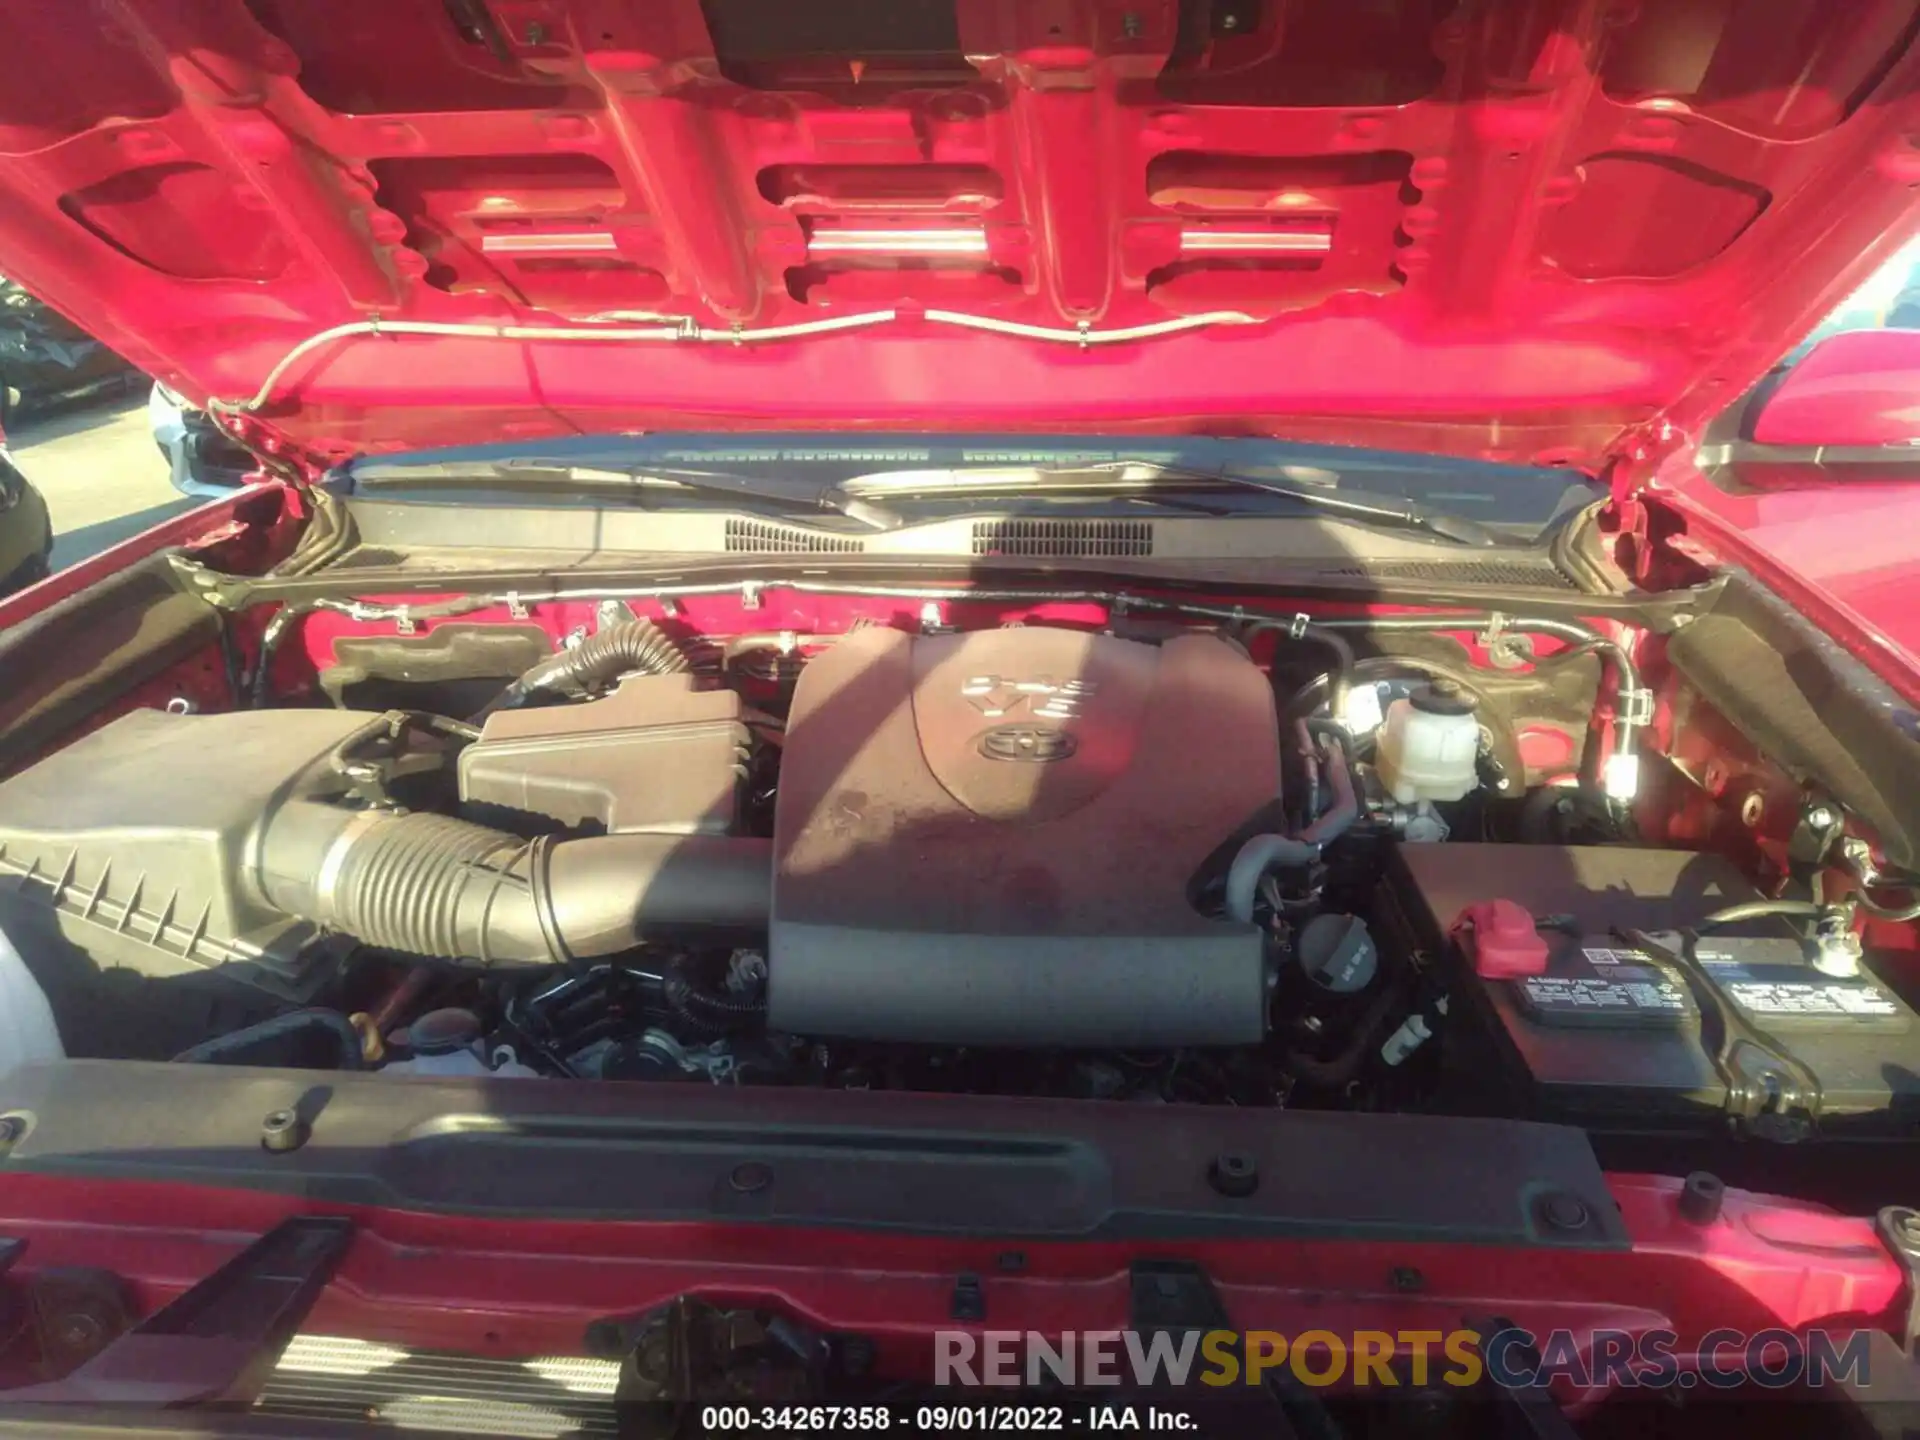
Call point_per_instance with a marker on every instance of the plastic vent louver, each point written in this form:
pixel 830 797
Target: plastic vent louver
pixel 763 538
pixel 1462 572
pixel 1063 537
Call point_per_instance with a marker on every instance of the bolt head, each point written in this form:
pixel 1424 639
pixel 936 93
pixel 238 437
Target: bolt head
pixel 751 1178
pixel 79 1331
pixel 1562 1211
pixel 282 1131
pixel 1234 1174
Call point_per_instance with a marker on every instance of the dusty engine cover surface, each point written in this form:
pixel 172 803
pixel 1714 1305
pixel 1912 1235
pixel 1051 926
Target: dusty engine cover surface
pixel 988 838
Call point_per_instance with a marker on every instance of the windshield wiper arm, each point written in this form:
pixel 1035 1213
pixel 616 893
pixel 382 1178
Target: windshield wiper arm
pixel 1365 505
pixel 1139 478
pixel 730 484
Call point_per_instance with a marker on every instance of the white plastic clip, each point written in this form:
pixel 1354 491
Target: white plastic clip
pixel 1298 629
pixel 1085 327
pixel 516 607
pixel 403 621
pixel 1636 707
pixel 750 595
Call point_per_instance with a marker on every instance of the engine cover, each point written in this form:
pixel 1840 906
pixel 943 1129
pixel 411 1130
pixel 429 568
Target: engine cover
pixel 988 838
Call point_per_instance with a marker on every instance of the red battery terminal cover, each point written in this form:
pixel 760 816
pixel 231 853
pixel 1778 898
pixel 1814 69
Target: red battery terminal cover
pixel 1500 937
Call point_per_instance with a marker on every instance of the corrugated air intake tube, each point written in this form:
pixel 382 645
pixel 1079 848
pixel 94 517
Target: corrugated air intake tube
pixel 429 885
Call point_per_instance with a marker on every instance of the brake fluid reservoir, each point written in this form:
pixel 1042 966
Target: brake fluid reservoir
pixel 1429 746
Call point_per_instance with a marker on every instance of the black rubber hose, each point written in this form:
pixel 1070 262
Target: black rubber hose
pixel 1346 800
pixel 1300 628
pixel 617 650
pixel 708 1012
pixel 433 886
pixel 682 994
pixel 286 1040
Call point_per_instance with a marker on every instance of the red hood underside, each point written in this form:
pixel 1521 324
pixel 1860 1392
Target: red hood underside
pixel 1544 231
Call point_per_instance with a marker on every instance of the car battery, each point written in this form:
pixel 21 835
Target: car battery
pixel 1607 1033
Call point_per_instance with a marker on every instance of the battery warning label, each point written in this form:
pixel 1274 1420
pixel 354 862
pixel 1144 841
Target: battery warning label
pixel 1626 997
pixel 1788 992
pixel 1603 992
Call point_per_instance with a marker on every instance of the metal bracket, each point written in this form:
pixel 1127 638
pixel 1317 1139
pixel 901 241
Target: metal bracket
pixel 1819 826
pixel 223 592
pixel 1815 832
pixel 1899 1226
pixel 218 1341
pixel 1858 855
pixel 691 1350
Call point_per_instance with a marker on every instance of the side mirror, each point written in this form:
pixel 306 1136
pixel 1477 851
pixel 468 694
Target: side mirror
pixel 1855 389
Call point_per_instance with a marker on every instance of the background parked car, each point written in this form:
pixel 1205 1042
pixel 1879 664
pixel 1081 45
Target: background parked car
pixel 44 359
pixel 26 530
pixel 202 460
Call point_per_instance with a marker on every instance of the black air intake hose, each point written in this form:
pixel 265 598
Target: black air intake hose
pixel 429 885
pixel 618 649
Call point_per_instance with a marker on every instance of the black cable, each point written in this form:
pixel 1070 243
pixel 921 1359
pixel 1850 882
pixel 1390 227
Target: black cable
pixel 231 662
